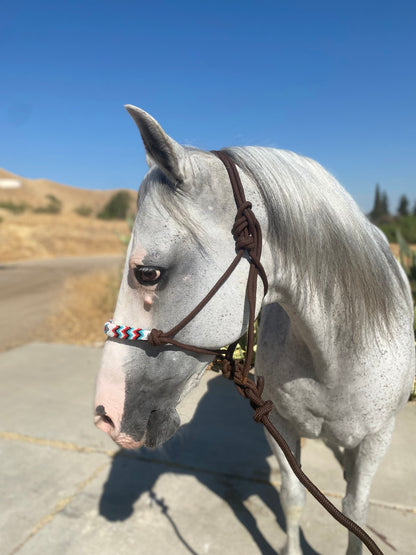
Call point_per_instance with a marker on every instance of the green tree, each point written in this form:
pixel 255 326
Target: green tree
pixel 376 211
pixel 117 208
pixel 384 205
pixel 381 205
pixel 403 208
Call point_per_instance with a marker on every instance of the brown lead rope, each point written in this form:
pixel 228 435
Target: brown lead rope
pixel 248 239
pixel 253 391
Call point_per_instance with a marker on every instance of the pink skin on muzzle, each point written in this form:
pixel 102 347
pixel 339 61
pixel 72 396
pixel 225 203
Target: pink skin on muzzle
pixel 109 397
pixel 111 383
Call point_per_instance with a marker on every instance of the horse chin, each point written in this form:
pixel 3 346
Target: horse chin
pixel 162 425
pixel 127 442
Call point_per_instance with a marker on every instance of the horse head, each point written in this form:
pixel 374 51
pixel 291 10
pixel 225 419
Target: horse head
pixel 180 246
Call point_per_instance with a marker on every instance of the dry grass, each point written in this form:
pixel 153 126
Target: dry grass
pixel 87 303
pixel 40 235
pixel 27 236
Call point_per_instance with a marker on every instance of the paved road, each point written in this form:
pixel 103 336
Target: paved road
pixel 29 291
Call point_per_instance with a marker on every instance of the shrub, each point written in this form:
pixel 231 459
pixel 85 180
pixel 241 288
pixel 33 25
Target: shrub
pixel 83 210
pixel 16 208
pixel 54 206
pixel 117 208
pixel 406 225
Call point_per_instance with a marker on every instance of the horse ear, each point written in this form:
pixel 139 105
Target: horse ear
pixel 166 153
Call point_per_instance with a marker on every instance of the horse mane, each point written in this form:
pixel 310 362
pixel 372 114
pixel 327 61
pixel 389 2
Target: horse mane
pixel 322 240
pixel 325 241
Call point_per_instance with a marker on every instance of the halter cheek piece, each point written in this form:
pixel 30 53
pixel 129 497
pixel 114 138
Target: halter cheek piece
pixel 248 239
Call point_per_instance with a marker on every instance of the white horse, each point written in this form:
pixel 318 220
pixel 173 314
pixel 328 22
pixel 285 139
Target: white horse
pixel 335 344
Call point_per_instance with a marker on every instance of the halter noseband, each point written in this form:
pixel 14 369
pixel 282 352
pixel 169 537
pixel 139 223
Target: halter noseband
pixel 248 239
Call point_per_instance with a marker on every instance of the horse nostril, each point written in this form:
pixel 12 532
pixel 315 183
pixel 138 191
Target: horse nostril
pixel 107 419
pixel 100 411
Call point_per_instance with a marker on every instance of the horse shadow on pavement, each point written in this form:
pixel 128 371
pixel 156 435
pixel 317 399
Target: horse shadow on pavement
pixel 222 447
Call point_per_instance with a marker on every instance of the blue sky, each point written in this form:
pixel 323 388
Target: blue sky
pixel 335 81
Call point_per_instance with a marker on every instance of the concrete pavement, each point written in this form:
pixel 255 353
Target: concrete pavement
pixel 66 489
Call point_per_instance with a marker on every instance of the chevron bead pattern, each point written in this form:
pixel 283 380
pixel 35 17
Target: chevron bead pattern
pixel 125 332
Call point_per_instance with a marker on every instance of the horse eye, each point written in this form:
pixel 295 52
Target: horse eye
pixel 147 275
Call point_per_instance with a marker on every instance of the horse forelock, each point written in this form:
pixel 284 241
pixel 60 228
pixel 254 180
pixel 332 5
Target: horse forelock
pixel 322 236
pixel 174 200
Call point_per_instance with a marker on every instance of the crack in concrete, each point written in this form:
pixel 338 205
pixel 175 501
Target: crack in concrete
pixel 60 506
pixel 57 444
pixel 68 446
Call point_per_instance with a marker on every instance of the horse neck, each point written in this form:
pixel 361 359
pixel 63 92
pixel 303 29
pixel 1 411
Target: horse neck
pixel 306 314
pixel 310 322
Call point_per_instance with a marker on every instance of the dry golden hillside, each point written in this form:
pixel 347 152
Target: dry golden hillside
pixel 40 235
pixel 34 192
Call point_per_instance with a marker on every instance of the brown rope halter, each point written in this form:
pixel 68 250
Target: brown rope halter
pixel 248 239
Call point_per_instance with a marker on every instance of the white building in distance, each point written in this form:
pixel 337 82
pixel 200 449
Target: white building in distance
pixel 8 183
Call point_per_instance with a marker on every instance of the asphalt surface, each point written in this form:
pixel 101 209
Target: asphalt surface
pixel 66 489
pixel 29 292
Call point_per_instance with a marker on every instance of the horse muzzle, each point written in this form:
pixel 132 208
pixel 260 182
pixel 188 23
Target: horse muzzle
pixel 161 426
pixel 106 424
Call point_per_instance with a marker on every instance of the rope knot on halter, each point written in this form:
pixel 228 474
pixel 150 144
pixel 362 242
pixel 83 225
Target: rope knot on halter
pixel 247 236
pixel 244 228
pixel 155 337
pixel 233 370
